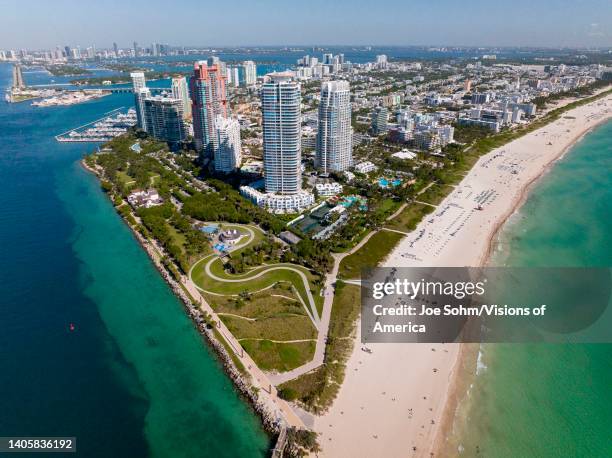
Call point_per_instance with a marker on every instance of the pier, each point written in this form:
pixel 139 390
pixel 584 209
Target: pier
pixel 114 123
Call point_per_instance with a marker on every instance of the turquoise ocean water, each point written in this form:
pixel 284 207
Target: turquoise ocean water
pixel 134 378
pixel 545 400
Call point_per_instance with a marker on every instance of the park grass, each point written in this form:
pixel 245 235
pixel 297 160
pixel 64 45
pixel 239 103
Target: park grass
pixel 281 357
pixel 317 389
pixel 125 179
pixel 178 238
pixel 386 207
pixel 282 327
pixel 410 217
pixel 270 318
pixel 258 236
pixel 435 194
pixel 260 305
pixel 203 281
pixel 269 279
pixel 369 255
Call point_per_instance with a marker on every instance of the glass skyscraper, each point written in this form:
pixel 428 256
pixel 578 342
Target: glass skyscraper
pixel 209 100
pixel 164 119
pixel 282 154
pixel 334 139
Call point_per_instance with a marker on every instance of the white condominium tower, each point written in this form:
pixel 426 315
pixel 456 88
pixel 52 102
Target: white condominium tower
pixel 141 92
pixel 250 73
pixel 334 142
pixel 180 91
pixel 280 105
pixel 138 80
pixel 228 153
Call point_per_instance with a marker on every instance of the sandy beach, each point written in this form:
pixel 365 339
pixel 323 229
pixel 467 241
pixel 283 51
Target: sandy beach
pixel 394 401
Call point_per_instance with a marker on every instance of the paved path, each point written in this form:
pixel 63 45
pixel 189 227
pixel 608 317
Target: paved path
pixel 394 230
pixel 425 203
pixel 311 308
pixel 329 291
pixel 267 391
pixel 258 378
pixel 312 312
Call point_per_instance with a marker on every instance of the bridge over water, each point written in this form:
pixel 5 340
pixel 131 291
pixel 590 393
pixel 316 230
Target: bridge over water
pixel 114 90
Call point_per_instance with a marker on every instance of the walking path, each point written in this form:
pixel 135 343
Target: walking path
pixel 258 379
pixel 329 291
pixel 310 308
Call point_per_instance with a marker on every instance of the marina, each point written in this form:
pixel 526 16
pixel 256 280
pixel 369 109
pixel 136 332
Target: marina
pixel 101 130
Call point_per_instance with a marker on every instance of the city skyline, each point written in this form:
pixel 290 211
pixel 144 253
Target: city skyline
pixel 477 23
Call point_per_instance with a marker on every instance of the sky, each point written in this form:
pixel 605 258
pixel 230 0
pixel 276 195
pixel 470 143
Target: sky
pixel 43 24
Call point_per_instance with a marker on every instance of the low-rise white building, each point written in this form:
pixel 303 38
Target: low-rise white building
pixel 146 199
pixel 278 203
pixel 349 175
pixel 405 154
pixel 365 167
pixel 328 189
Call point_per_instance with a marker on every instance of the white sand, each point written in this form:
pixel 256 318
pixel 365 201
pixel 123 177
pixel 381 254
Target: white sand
pixel 372 416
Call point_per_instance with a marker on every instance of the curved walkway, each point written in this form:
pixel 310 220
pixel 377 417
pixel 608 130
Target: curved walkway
pixel 312 313
pixel 311 308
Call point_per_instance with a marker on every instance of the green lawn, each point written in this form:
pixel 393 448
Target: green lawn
pixel 369 255
pixel 435 194
pixel 260 305
pixel 281 275
pixel 282 327
pixel 316 390
pixel 125 179
pixel 408 219
pixel 271 356
pixel 274 314
pixel 387 207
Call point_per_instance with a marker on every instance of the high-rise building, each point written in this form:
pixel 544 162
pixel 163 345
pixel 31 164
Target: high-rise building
pixel 164 118
pixel 180 90
pixel 334 145
pixel 282 154
pixel 379 120
pixel 381 61
pixel 216 60
pixel 209 99
pixel 138 80
pixel 154 49
pixel 228 154
pixel 136 53
pixel 250 73
pixel 328 59
pixel 140 95
pixel 139 86
pixel 116 49
pixel 233 75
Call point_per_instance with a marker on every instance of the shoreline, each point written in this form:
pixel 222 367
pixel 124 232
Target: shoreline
pixel 445 242
pixel 467 357
pixel 200 320
pixel 527 190
pixel 457 393
pixel 493 243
